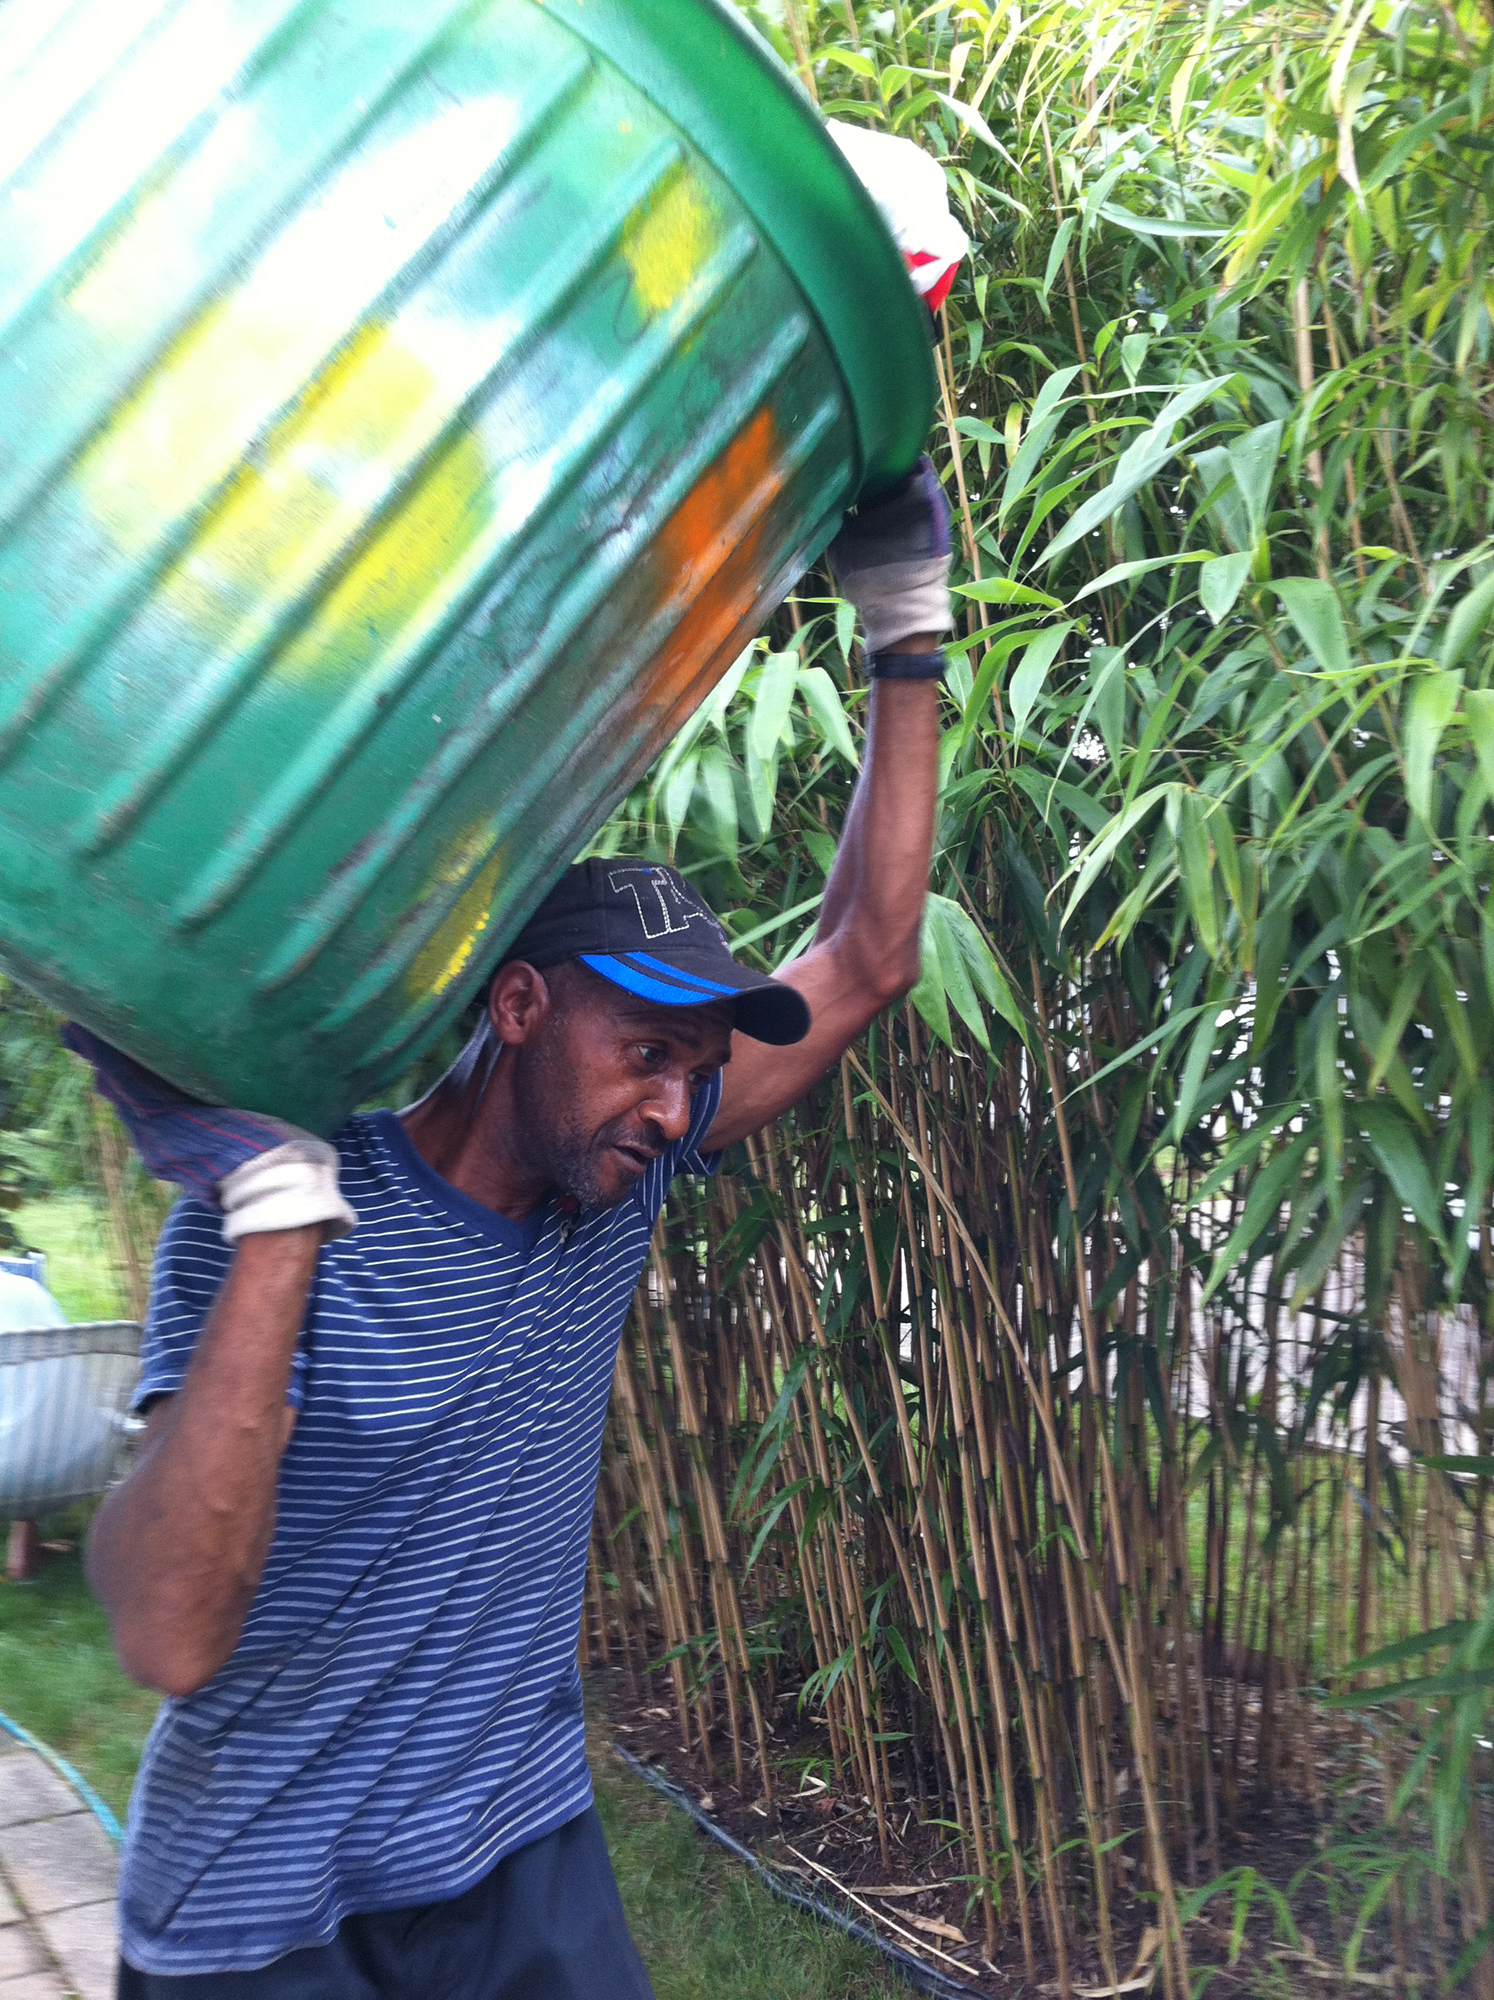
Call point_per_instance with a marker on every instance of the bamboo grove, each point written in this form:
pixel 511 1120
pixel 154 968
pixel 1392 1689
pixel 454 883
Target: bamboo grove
pixel 1081 1409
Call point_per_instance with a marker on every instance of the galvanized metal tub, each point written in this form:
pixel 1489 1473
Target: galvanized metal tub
pixel 64 1398
pixel 406 414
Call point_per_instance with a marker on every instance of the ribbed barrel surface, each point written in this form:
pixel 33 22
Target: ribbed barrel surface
pixel 402 425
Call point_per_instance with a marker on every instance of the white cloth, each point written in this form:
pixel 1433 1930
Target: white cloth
pixel 909 188
pixel 290 1187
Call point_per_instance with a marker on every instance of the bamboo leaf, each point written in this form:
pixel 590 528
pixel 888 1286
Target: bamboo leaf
pixel 1124 572
pixel 1394 1145
pixel 1478 706
pixel 1429 709
pixel 845 628
pixel 1002 590
pixel 775 696
pixel 1101 850
pixel 762 787
pixel 1314 610
pixel 823 699
pixel 970 118
pixel 1252 460
pixel 1177 96
pixel 965 940
pixel 678 791
pixel 1200 1051
pixel 985 679
pixel 928 995
pixel 1109 665
pixel 1156 225
pixel 1402 1006
pixel 1032 670
pixel 1042 426
pixel 1137 466
pixel 770 1522
pixel 1468 623
pixel 851 59
pixel 959 989
pixel 1420 1689
pixel 720 797
pixel 1260 1205
pixel 1197 869
pixel 1060 243
pixel 898 1647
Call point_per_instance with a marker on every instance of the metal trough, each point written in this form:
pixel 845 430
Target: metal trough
pixel 64 1402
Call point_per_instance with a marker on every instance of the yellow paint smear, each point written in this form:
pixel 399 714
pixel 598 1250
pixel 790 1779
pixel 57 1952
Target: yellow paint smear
pixel 306 495
pixel 668 242
pixel 448 952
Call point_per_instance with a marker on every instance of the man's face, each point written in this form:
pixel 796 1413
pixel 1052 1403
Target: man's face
pixel 604 1082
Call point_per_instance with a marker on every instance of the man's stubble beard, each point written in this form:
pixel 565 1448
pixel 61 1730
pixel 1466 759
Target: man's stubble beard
pixel 569 1156
pixel 576 1171
pixel 576 1166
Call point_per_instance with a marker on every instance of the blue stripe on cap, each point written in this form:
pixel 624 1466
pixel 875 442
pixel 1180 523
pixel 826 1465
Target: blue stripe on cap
pixel 678 972
pixel 627 976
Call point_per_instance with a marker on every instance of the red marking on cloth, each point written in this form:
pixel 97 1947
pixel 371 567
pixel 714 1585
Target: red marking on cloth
pixel 918 260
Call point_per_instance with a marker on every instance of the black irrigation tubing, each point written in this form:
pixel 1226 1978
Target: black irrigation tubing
pixel 924 1977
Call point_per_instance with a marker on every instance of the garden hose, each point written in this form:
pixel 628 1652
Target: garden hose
pixel 69 1776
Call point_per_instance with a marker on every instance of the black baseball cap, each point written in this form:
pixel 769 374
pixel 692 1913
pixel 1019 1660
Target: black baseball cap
pixel 641 925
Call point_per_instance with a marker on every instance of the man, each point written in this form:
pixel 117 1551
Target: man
pixel 353 1550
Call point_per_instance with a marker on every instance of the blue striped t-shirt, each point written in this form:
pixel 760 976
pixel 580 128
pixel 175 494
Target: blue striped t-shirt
pixel 403 1707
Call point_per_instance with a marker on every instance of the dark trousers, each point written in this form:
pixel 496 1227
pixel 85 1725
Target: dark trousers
pixel 547 1924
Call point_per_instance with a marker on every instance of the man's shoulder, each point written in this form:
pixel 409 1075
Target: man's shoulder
pixel 362 1138
pixel 373 1167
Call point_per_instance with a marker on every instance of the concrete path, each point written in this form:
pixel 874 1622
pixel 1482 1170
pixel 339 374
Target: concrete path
pixel 57 1873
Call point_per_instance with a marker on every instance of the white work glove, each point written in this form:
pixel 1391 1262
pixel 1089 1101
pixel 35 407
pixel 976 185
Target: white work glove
pixel 891 560
pixel 290 1187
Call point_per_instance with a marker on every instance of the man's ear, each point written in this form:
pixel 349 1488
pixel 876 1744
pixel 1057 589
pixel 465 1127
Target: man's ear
pixel 518 1002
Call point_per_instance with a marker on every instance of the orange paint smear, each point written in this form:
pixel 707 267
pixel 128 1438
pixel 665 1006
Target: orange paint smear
pixel 709 552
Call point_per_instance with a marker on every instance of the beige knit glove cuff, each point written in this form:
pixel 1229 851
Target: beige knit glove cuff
pixel 291 1187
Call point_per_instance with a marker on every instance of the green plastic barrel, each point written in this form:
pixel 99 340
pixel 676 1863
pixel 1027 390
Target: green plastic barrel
pixel 408 409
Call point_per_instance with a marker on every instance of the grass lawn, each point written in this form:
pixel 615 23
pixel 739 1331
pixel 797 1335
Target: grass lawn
pixel 706 1929
pixel 80 1266
pixel 58 1677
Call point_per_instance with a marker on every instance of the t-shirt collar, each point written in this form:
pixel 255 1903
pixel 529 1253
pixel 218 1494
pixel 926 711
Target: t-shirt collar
pixel 473 1215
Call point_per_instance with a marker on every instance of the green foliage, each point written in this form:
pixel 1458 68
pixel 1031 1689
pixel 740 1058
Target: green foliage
pixel 1218 763
pixel 1451 1708
pixel 71 1231
pixel 44 1108
pixel 1219 373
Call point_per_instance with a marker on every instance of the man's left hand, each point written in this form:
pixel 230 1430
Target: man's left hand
pixel 891 560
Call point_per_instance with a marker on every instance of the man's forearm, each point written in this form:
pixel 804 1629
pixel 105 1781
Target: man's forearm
pixel 177 1551
pixel 874 899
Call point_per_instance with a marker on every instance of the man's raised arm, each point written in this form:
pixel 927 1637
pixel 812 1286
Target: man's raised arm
pixel 892 561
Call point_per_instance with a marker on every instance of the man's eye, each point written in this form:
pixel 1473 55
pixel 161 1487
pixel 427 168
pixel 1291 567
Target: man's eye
pixel 653 1053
